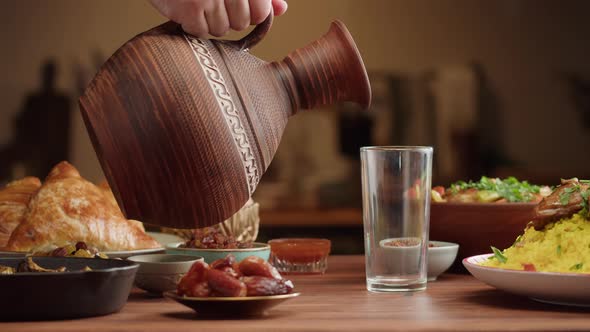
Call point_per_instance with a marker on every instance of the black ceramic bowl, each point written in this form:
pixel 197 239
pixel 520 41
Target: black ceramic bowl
pixel 61 295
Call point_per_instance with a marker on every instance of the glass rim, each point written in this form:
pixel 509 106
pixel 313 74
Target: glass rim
pixel 384 148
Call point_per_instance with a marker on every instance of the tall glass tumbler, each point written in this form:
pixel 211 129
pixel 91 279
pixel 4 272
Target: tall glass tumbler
pixel 396 212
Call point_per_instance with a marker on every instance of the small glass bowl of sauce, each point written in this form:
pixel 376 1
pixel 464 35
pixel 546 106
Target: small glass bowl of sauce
pixel 300 255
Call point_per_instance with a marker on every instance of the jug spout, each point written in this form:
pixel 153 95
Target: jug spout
pixel 325 72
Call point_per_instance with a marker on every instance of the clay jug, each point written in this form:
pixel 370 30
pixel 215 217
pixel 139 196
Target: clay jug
pixel 185 127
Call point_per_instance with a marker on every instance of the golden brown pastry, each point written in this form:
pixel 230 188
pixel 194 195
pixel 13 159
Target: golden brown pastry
pixel 67 209
pixel 14 199
pixel 106 189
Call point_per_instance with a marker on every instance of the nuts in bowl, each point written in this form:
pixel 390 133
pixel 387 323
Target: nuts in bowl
pixel 213 238
pixel 80 249
pixel 212 245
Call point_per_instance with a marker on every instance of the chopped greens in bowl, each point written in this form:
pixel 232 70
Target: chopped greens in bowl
pixel 491 190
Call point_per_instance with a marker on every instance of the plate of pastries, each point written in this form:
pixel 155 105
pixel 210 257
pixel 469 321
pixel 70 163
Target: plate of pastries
pixel 50 217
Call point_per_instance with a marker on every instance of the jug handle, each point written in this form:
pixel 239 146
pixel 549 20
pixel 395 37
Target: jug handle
pixel 255 36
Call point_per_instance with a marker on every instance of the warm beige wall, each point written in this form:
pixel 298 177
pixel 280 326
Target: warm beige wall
pixel 523 44
pixel 67 30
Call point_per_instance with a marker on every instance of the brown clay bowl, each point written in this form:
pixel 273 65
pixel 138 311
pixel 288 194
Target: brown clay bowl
pixel 230 307
pixel 477 226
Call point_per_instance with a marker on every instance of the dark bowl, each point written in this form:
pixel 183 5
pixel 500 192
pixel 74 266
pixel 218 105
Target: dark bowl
pixel 55 295
pixel 477 226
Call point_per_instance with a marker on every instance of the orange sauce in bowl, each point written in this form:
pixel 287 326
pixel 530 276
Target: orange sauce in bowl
pixel 300 250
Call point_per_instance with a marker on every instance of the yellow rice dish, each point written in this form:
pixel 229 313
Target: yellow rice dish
pixel 562 246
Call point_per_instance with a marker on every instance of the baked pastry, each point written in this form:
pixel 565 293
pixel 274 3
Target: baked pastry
pixel 106 189
pixel 67 209
pixel 14 199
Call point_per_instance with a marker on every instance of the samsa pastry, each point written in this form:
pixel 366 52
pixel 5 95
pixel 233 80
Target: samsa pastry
pixel 106 189
pixel 68 209
pixel 14 199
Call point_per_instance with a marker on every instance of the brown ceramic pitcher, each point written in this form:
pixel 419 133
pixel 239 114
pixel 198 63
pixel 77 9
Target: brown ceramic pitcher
pixel 185 127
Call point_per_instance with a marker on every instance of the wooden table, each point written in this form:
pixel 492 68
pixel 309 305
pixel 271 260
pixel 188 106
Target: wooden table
pixel 338 301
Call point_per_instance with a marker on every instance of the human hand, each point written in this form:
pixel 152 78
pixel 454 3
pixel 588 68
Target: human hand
pixel 217 17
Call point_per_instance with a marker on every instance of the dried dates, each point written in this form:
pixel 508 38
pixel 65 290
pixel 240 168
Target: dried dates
pixel 225 277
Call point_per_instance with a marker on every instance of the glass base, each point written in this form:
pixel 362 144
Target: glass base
pixel 287 267
pixel 395 285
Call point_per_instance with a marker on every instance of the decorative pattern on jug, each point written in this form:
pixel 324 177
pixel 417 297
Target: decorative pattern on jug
pixel 228 109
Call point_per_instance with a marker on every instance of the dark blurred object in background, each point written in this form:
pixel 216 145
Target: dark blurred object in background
pixel 83 74
pixel 42 129
pixel 385 123
pixel 490 125
pixel 580 93
pixel 355 129
pixel 466 118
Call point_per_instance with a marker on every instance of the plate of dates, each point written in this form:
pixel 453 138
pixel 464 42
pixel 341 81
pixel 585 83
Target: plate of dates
pixel 230 288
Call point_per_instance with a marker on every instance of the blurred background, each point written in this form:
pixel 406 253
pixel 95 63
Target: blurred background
pixel 497 87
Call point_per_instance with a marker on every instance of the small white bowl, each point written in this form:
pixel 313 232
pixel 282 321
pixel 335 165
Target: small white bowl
pixel 401 260
pixel 158 273
pixel 440 258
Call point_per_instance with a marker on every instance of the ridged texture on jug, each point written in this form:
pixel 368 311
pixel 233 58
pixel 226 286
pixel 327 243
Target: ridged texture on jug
pixel 184 127
pixel 169 132
pixel 327 71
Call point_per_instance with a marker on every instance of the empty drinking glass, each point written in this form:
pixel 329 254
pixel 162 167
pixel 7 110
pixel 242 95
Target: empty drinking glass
pixel 396 206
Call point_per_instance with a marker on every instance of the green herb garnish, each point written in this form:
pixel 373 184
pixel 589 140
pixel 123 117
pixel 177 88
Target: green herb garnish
pixel 558 250
pixel 577 266
pixel 564 197
pixel 499 255
pixel 510 188
pixel 585 195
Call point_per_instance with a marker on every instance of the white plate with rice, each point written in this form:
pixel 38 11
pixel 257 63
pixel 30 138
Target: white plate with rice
pixel 549 287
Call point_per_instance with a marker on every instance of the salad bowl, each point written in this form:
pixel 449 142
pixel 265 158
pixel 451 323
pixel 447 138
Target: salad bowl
pixel 484 213
pixel 477 226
